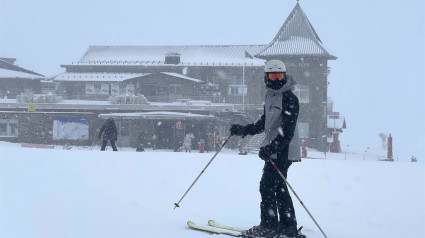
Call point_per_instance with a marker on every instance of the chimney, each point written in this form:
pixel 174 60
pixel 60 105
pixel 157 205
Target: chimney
pixel 172 58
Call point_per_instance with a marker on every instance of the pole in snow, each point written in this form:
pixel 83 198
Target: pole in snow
pixel 225 142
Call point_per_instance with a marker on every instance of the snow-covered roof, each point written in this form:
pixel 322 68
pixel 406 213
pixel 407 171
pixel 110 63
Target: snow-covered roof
pixel 97 77
pixel 182 77
pixel 90 105
pixel 7 74
pixel 190 55
pixel 112 77
pixel 10 70
pixel 156 115
pixel 296 37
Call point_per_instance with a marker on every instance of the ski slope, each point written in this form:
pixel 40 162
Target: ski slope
pixel 83 193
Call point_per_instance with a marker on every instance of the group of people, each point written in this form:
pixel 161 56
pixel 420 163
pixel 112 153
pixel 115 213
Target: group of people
pixel 280 145
pixel 212 143
pixel 108 133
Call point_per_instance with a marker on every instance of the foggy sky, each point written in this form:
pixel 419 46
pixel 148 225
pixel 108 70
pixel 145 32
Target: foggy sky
pixel 377 82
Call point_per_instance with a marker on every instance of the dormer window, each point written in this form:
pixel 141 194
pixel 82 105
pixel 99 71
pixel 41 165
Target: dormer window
pixel 172 58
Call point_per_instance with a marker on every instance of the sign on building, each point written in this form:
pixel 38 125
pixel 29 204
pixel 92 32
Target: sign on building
pixel 70 128
pixel 31 108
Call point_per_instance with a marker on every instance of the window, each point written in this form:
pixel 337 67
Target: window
pixel 8 128
pixel 175 89
pixel 97 88
pixel 123 128
pixel 303 130
pixel 303 93
pixel 238 90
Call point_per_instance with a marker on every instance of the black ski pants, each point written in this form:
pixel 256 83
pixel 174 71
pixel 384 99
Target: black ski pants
pixel 277 209
pixel 114 148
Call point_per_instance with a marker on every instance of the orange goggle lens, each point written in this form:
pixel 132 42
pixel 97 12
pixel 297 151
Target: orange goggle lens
pixel 273 76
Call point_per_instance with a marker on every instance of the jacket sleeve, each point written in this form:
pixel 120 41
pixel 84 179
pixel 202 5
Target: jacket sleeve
pixel 115 132
pixel 255 128
pixel 289 121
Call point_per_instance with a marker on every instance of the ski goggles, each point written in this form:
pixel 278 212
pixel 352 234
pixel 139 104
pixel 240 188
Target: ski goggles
pixel 273 76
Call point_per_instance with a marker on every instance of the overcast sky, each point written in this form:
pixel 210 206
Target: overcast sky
pixel 377 82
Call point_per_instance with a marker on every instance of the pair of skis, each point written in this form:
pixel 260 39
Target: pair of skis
pixel 216 228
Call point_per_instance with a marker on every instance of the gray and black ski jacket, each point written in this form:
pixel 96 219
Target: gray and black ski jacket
pixel 279 124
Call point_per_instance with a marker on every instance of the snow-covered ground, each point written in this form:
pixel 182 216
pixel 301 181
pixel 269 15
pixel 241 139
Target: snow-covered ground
pixel 83 193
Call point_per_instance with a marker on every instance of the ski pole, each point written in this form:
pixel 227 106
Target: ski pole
pixel 299 199
pixel 177 204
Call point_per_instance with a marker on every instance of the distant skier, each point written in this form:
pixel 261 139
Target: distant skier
pixel 218 141
pixel 279 120
pixel 241 144
pixel 188 142
pixel 210 142
pixel 109 131
pixel 154 137
pixel 142 142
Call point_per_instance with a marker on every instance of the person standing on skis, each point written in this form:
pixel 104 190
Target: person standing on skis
pixel 279 124
pixel 109 131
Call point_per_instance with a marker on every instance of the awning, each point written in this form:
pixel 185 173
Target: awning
pixel 160 115
pixel 97 77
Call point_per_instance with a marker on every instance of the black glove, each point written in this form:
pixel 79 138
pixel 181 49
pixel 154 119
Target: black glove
pixel 237 130
pixel 265 153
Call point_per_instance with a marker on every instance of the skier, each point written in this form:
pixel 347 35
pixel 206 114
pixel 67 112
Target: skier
pixel 142 141
pixel 109 130
pixel 154 137
pixel 188 142
pixel 210 143
pixel 279 123
pixel 241 144
pixel 218 141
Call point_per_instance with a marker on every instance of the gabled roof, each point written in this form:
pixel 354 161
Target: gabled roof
pixel 205 55
pixel 296 37
pixel 112 77
pixel 13 74
pixel 9 70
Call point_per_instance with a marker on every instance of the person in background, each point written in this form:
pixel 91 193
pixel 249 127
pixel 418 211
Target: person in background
pixel 109 131
pixel 142 141
pixel 218 141
pixel 188 142
pixel 154 137
pixel 241 144
pixel 210 142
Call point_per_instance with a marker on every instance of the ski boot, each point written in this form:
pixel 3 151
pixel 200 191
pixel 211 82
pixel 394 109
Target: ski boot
pixel 259 232
pixel 287 234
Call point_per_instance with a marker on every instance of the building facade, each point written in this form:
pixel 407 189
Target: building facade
pixel 15 80
pixel 230 75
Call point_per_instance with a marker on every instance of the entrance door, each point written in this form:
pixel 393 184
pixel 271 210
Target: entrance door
pixel 164 131
pixel 123 128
